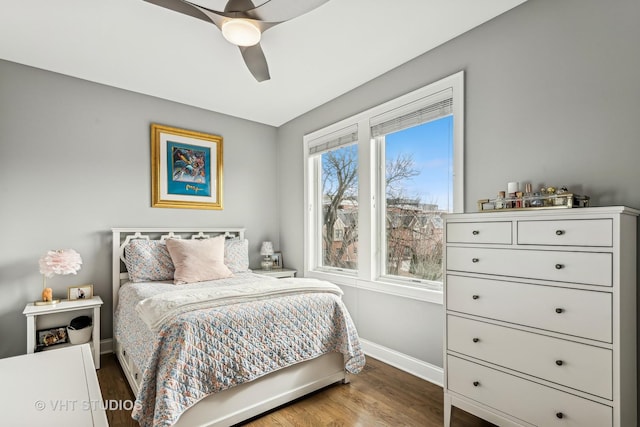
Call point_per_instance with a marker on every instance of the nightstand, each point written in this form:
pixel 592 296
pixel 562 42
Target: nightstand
pixel 50 316
pixel 277 272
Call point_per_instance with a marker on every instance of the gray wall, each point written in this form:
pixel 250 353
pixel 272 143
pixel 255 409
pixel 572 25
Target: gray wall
pixel 75 162
pixel 552 96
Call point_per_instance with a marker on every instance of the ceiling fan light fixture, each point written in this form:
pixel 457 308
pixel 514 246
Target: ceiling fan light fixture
pixel 241 32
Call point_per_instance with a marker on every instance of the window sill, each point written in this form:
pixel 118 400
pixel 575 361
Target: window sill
pixel 396 289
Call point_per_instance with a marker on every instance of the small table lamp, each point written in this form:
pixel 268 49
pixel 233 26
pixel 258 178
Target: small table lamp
pixel 266 250
pixel 61 261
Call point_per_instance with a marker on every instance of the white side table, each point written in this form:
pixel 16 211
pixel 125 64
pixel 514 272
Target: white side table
pixel 277 272
pixel 52 388
pixel 33 312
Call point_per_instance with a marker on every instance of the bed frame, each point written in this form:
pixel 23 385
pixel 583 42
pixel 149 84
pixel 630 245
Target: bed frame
pixel 247 400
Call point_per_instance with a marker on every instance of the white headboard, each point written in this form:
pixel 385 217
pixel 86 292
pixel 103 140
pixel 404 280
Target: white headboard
pixel 122 236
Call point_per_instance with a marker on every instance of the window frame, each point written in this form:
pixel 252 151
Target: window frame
pixel 369 274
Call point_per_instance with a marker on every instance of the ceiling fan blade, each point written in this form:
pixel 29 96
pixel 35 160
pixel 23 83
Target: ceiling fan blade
pixel 256 62
pixel 218 18
pixel 282 10
pixel 181 7
pixel 239 6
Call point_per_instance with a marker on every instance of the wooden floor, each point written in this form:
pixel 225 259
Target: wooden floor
pixel 380 395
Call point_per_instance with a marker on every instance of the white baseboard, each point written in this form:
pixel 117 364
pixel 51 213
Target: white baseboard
pixel 106 346
pixel 419 368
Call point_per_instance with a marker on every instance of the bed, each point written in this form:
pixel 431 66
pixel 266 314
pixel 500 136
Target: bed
pixel 218 352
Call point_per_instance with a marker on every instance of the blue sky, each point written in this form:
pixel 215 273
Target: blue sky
pixel 431 146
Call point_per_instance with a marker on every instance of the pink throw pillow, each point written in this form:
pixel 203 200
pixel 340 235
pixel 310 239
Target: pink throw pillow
pixel 198 260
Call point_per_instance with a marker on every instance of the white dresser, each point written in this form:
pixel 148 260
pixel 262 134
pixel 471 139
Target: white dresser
pixel 52 388
pixel 540 312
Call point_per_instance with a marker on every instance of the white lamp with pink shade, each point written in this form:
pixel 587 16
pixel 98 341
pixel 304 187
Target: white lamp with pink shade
pixel 62 262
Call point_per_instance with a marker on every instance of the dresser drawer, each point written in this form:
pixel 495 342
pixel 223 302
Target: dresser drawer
pixel 579 366
pixel 585 232
pixel 479 232
pixel 580 313
pixel 529 401
pixel 590 268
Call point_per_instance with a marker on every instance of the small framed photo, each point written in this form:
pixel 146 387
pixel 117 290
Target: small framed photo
pixel 80 292
pixel 52 336
pixel 277 259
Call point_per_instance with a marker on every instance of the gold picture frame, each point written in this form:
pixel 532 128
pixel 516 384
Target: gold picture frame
pixel 186 168
pixel 79 292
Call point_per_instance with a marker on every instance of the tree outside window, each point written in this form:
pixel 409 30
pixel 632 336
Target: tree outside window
pixel 340 207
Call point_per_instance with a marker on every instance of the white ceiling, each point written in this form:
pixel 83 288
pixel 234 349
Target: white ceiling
pixel 138 46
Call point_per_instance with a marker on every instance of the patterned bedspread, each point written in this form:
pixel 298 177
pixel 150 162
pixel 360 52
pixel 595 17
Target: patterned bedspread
pixel 204 351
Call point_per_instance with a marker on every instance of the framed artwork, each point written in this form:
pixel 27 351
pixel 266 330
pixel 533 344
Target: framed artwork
pixel 52 336
pixel 186 169
pixel 80 292
pixel 277 259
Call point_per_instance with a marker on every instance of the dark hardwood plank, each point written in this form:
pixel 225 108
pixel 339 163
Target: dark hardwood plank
pixel 380 395
pixel 114 386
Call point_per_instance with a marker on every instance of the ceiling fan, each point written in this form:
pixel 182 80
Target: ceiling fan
pixel 242 23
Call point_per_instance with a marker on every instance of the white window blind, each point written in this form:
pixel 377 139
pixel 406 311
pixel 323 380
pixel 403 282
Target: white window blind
pixel 333 140
pixel 421 111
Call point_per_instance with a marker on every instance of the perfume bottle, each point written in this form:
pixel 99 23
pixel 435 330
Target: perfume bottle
pixel 527 195
pixel 543 195
pixel 551 196
pixel 500 200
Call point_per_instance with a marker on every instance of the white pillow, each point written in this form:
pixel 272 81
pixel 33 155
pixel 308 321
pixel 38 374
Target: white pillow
pixel 236 255
pixel 198 260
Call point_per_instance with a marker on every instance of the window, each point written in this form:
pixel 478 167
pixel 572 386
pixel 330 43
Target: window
pixel 418 188
pixel 377 185
pixel 335 166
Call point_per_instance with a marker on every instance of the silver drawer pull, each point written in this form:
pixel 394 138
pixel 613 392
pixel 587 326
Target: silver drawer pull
pixel 559 232
pixel 475 296
pixel 475 232
pixel 475 260
pixel 559 415
pixel 559 266
pixel 559 310
pixel 476 339
pixel 559 362
pixel 476 383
